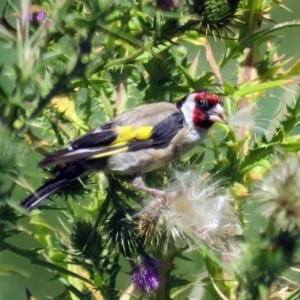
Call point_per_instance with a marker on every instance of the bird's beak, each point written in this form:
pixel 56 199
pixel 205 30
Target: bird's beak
pixel 217 114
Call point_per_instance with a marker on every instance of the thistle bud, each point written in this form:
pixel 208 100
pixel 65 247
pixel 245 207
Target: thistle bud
pixel 216 16
pixel 145 276
pixel 216 12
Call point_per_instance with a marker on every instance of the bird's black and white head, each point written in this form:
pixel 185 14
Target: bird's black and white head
pixel 201 109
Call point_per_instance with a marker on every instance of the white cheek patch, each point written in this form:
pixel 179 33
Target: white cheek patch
pixel 187 109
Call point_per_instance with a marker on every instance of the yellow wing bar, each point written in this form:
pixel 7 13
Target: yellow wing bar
pixel 129 133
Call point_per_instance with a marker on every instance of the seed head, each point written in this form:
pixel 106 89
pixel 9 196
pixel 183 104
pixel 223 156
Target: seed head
pixel 279 193
pixel 194 206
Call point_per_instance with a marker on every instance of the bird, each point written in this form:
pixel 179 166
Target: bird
pixel 135 142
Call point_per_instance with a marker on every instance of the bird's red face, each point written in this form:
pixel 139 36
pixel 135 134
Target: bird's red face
pixel 202 109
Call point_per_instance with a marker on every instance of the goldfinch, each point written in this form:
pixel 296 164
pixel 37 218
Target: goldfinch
pixel 138 141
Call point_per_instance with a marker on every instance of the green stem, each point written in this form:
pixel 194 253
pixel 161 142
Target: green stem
pixel 165 269
pixel 32 255
pixel 252 55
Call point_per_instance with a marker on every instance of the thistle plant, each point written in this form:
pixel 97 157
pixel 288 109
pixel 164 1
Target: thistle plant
pixel 228 227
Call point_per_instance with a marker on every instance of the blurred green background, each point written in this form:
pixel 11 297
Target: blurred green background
pixel 37 279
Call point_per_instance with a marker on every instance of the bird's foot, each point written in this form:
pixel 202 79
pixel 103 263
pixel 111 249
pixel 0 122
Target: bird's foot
pixel 139 184
pixel 159 195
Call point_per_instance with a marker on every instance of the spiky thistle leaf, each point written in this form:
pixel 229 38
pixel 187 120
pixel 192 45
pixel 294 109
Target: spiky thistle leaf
pixel 86 240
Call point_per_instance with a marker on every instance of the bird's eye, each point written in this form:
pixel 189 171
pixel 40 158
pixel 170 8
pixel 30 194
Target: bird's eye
pixel 202 103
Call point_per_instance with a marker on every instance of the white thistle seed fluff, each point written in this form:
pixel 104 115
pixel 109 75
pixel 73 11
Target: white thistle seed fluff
pixel 248 118
pixel 195 206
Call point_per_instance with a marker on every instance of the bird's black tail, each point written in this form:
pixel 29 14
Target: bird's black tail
pixel 65 175
pixel 45 191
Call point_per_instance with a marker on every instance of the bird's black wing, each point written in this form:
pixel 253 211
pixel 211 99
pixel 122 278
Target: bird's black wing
pixel 123 134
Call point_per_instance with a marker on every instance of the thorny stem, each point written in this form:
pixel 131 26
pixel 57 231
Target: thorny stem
pixel 98 64
pixel 165 269
pixel 252 56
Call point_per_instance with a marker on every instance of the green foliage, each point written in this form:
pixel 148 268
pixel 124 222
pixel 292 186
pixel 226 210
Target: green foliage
pixel 10 151
pixel 267 259
pixel 88 61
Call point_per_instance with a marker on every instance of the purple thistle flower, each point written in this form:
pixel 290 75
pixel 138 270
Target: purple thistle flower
pixel 145 275
pixel 40 16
